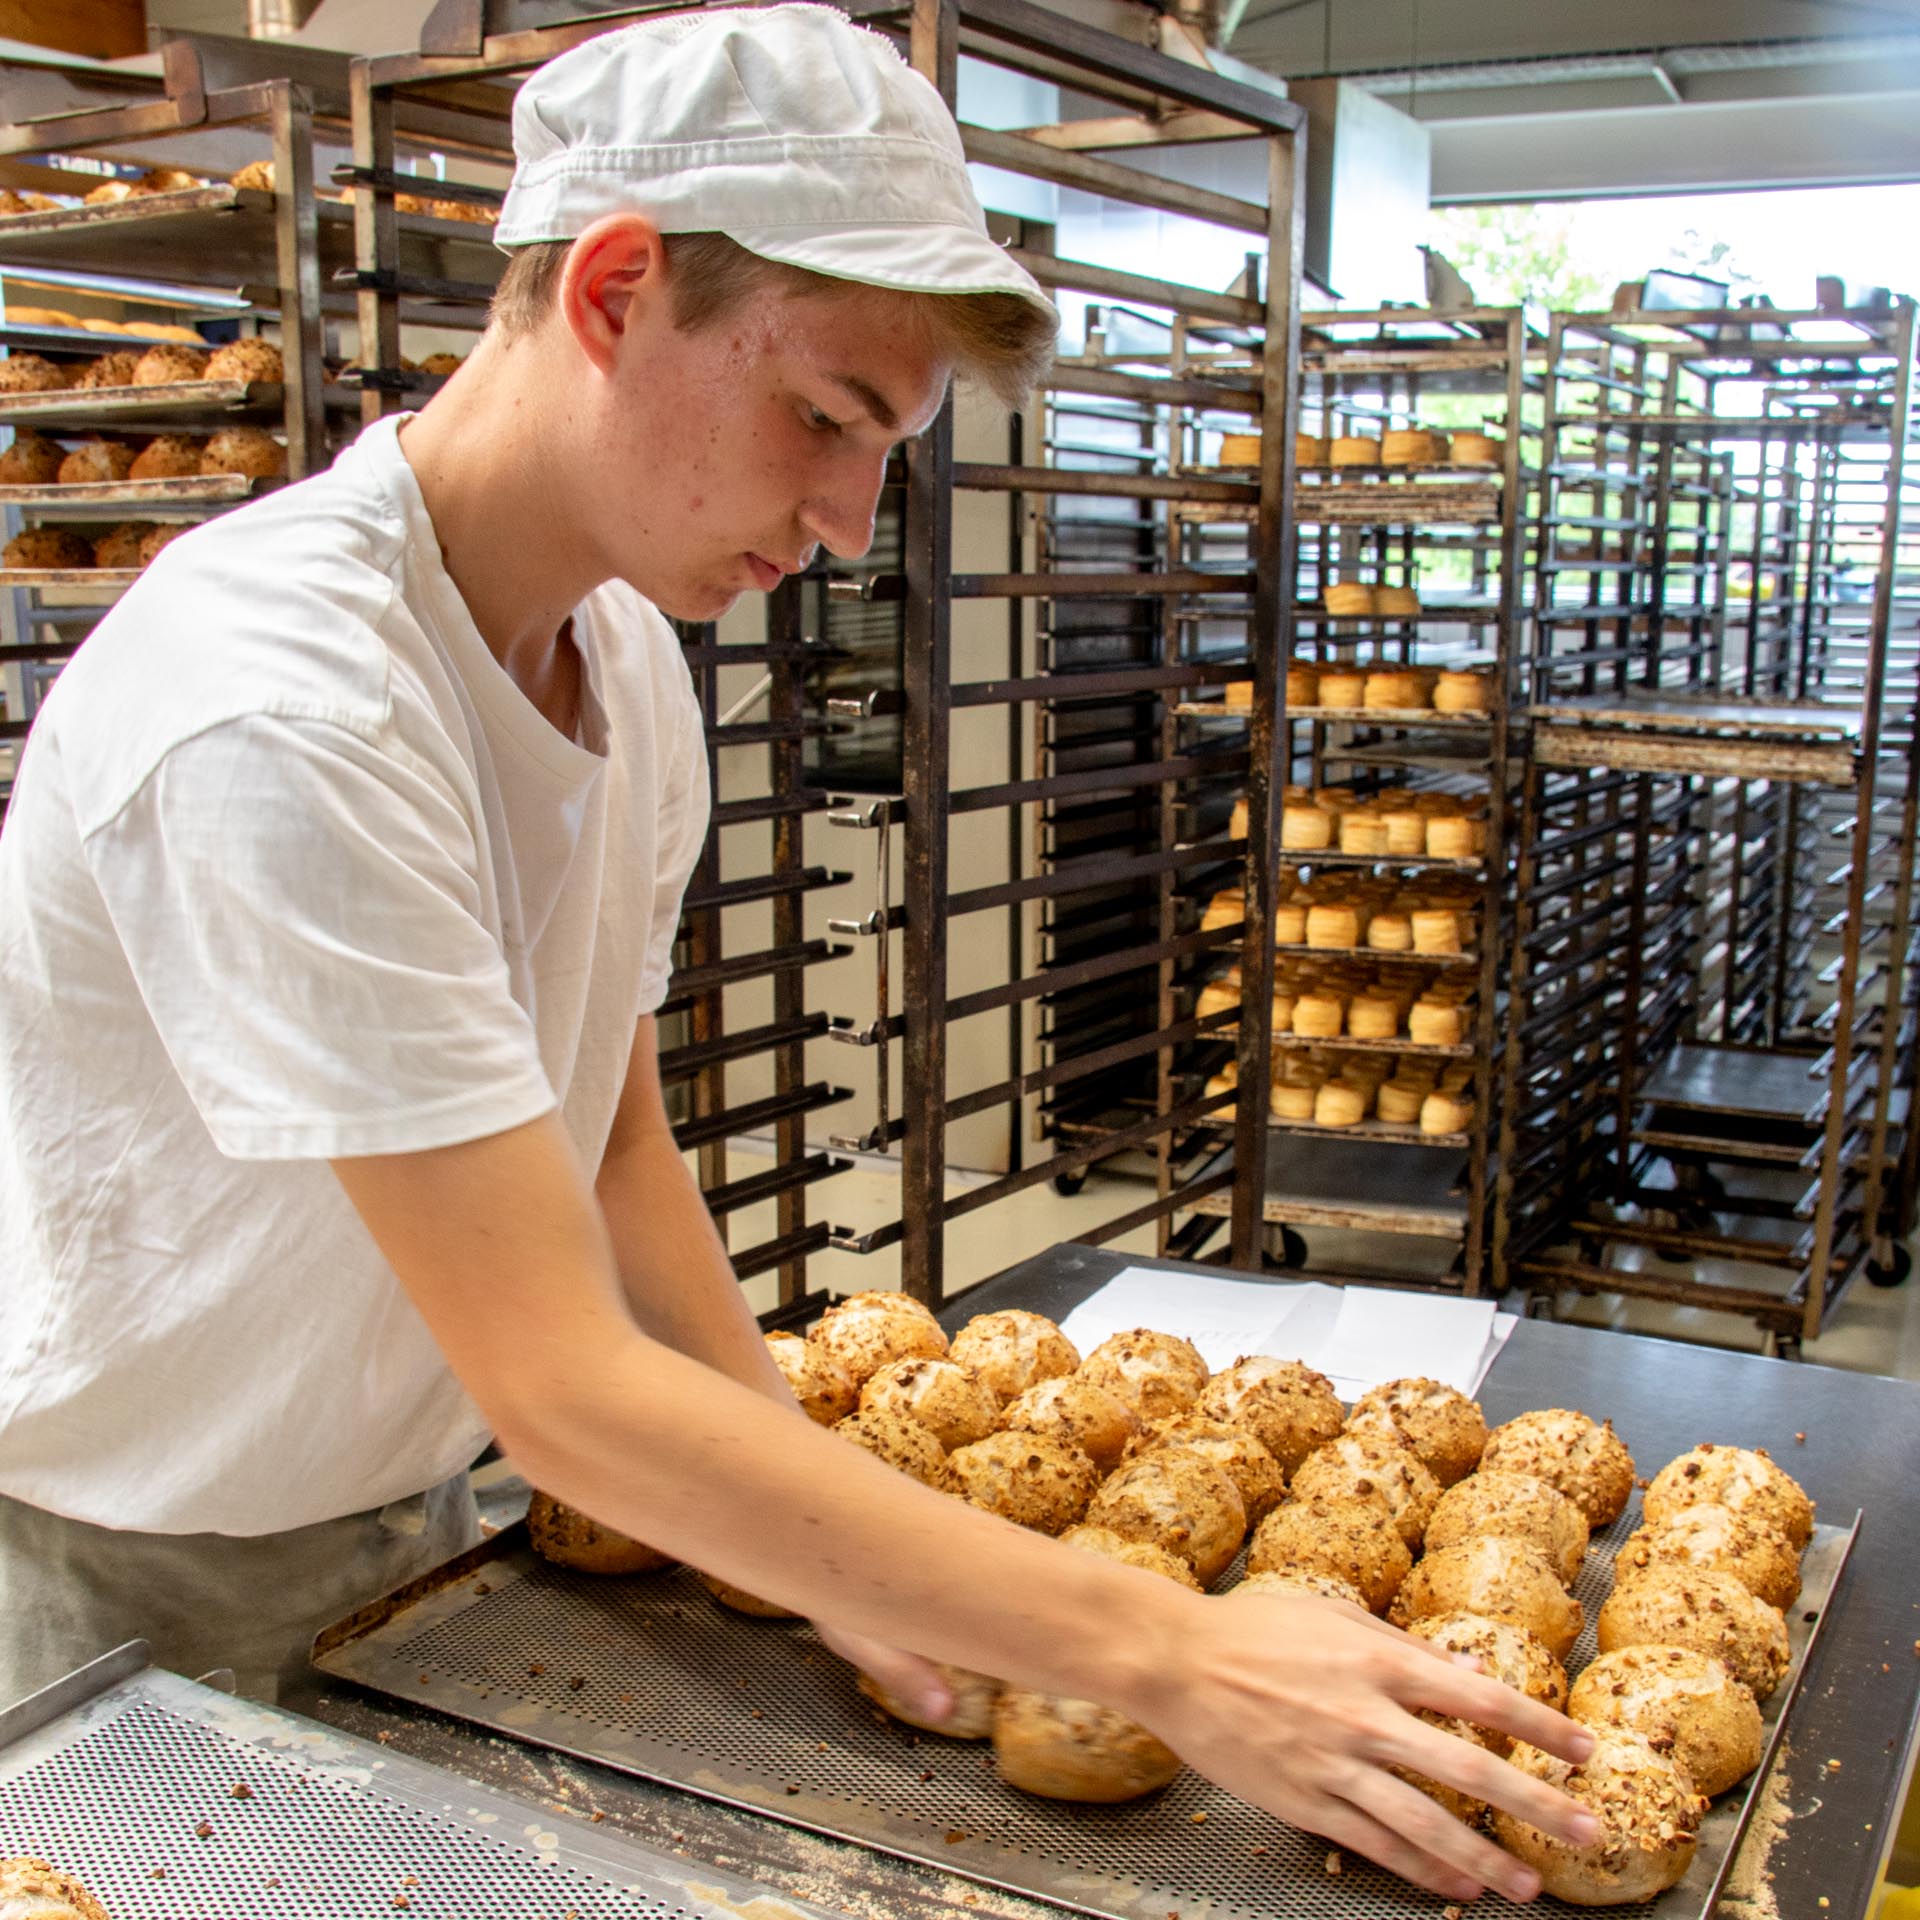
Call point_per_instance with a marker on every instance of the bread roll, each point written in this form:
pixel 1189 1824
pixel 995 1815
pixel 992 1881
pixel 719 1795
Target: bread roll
pixel 881 1300
pixel 1686 1703
pixel 1156 1374
pixel 159 539
pixel 1373 1017
pixel 1406 830
pixel 31 373
pixel 1583 1458
pixel 1513 1506
pixel 34 1889
pixel 1390 932
pixel 1359 1464
pixel 256 176
pixel 1257 1476
pixel 1461 692
pixel 1362 833
pixel 1012 1350
pixel 1079 1412
pixel 251 452
pixel 1743 1478
pixel 1132 1553
pixel 1031 1479
pixel 1226 908
pixel 974 1699
pixel 1291 1101
pixel 1396 603
pixel 1354 1540
pixel 1713 1613
pixel 1348 600
pixel 31 461
pixel 1319 1016
pixel 1343 688
pixel 1303 687
pixel 1338 1105
pixel 96 463
pixel 1719 1540
pixel 169 365
pixel 1301 1579
pixel 862 1340
pixel 1432 1025
pixel 1335 927
pixel 1394 689
pixel 1067 1749
pixel 1398 1104
pixel 1509 1654
pixel 1304 828
pixel 1462 1806
pixel 951 1401
pixel 1290 923
pixel 1288 1407
pixel 1354 450
pixel 47 547
pixel 1435 930
pixel 1309 450
pixel 167 456
pixel 1179 1501
pixel 817 1380
pixel 1217 996
pixel 565 1535
pixel 1406 447
pixel 1649 1814
pixel 1445 1113
pixel 119 546
pixel 252 360
pixel 1239 449
pixel 1477 450
pixel 110 370
pixel 739 1600
pixel 902 1444
pixel 1499 1580
pixel 1449 837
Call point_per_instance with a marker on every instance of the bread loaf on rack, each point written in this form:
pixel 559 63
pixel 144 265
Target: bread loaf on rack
pixel 1407 447
pixel 1354 450
pixel 1348 599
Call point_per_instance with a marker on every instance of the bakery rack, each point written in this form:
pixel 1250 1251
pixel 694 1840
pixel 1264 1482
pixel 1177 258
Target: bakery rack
pixel 739 1016
pixel 1456 536
pixel 1715 1007
pixel 237 260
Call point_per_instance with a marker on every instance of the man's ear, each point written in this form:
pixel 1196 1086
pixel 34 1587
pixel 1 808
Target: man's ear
pixel 615 272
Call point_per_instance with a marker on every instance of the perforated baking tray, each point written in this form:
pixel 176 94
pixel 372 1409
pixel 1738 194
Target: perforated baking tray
pixel 169 1798
pixel 649 1675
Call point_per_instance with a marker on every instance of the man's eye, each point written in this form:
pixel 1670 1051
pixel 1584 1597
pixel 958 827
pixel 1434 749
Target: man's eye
pixel 822 422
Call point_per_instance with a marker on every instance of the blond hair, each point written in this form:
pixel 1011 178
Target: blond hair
pixel 997 339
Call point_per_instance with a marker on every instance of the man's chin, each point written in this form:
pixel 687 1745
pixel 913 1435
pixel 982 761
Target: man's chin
pixel 691 604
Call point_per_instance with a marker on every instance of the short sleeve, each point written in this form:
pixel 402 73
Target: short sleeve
pixel 685 806
pixel 303 912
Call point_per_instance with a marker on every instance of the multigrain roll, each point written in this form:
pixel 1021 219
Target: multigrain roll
pixel 1584 1458
pixel 1508 1653
pixel 1359 1464
pixel 31 373
pixel 1255 1473
pixel 120 546
pixel 861 1340
pixel 1650 1823
pixel 160 539
pixel 1742 1478
pixel 974 1698
pixel 1067 1749
pixel 1499 1580
pixel 739 1600
pixel 951 1401
pixel 1078 1411
pixel 47 547
pixel 1288 1407
pixel 169 365
pixel 1132 1553
pixel 167 456
pixel 1028 1478
pixel 1445 1428
pixel 35 1889
pixel 901 1443
pixel 1719 1540
pixel 1013 1350
pixel 568 1538
pixel 1355 1540
pixel 1288 1580
pixel 109 370
pixel 251 360
pixel 1710 1612
pixel 96 463
pixel 1513 1506
pixel 881 1300
pixel 821 1385
pixel 251 452
pixel 1686 1703
pixel 1462 1806
pixel 1179 1501
pixel 1156 1374
pixel 32 461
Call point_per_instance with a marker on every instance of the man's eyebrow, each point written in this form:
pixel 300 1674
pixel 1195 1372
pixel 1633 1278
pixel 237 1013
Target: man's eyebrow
pixel 869 397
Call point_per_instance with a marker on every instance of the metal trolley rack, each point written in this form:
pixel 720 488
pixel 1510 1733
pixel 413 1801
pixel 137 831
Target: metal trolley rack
pixel 1715 1022
pixel 246 257
pixel 738 1017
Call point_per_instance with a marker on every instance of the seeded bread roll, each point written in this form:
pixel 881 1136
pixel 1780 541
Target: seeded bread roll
pixel 974 1699
pixel 1583 1458
pixel 1301 1579
pixel 1132 1553
pixel 159 539
pixel 818 1382
pixel 120 546
pixel 1156 1374
pixel 251 452
pixel 40 547
pixel 1508 1653
pixel 1650 1820
pixel 1288 1407
pixel 110 370
pixel 1179 1501
pixel 1354 1540
pixel 1074 1750
pixel 881 1301
pixel 31 373
pixel 1710 1612
pixel 169 365
pixel 1077 1411
pixel 1027 1478
pixel 1445 1428
pixel 862 1340
pixel 167 456
pixel 951 1401
pixel 1014 1350
pixel 251 359
pixel 1357 1464
pixel 96 463
pixel 1255 1473
pixel 1687 1704
pixel 739 1600
pixel 902 1443
pixel 1743 1478
pixel 565 1535
pixel 32 1889
pixel 442 364
pixel 32 461
pixel 1718 1539
pixel 1499 1580
pixel 1513 1506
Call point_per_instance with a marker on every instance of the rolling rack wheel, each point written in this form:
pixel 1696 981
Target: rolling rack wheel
pixel 1291 1254
pixel 1893 1271
pixel 1066 1185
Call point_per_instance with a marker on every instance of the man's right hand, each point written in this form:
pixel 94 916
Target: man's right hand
pixel 1301 1706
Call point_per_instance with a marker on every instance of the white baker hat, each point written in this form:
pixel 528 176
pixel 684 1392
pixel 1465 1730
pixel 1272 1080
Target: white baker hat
pixel 795 133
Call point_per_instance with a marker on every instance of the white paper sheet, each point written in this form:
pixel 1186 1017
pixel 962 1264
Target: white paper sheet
pixel 1358 1336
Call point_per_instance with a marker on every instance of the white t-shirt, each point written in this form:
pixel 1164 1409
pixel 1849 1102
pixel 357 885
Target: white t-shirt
pixel 294 870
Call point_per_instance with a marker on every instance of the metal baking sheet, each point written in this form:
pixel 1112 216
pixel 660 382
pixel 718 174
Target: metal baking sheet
pixel 651 1676
pixel 94 496
pixel 178 401
pixel 130 1778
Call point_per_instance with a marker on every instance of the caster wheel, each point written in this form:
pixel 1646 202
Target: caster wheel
pixel 1895 1272
pixel 1066 1185
pixel 1293 1249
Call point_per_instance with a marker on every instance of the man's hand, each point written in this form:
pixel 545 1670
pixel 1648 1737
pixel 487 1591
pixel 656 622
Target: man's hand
pixel 1301 1706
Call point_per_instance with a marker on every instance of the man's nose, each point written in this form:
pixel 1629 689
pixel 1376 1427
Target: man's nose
pixel 840 516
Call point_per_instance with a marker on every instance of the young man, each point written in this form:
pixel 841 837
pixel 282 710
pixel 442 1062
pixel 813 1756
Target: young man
pixel 335 903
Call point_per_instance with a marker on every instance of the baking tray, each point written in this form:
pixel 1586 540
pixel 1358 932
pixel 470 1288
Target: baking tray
pixel 113 1773
pixel 96 496
pixel 652 1677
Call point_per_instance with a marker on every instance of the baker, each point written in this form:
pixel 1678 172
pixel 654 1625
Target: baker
pixel 336 901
